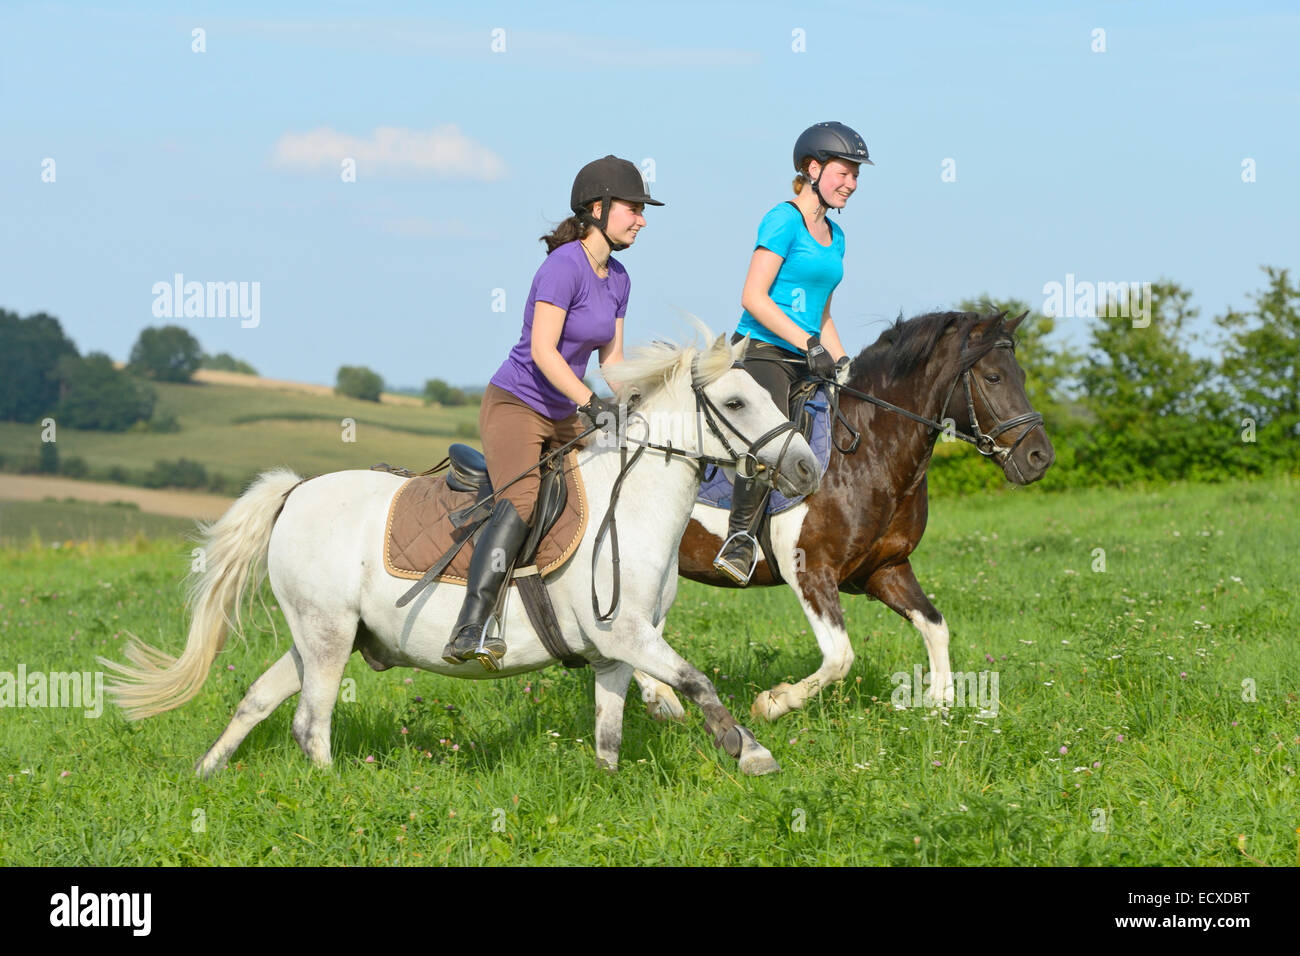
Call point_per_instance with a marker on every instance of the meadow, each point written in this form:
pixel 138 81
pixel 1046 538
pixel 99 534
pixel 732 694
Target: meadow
pixel 237 431
pixel 1147 716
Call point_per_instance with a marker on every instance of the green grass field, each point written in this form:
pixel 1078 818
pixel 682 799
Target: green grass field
pixel 237 431
pixel 49 521
pixel 1125 735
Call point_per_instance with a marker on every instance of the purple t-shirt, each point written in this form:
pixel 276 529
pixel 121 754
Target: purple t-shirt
pixel 591 304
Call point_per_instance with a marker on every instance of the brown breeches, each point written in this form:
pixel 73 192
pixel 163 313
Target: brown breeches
pixel 513 434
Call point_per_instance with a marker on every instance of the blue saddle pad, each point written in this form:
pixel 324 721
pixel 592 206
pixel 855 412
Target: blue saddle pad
pixel 716 492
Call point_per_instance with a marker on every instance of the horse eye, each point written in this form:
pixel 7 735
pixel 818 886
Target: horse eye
pixel 735 404
pixel 993 379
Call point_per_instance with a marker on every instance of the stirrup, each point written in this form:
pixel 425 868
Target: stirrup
pixel 730 570
pixel 487 656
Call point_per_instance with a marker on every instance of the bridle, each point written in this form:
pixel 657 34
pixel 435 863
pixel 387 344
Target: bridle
pixel 985 442
pixel 716 420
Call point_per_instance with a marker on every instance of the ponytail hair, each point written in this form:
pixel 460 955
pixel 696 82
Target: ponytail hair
pixel 568 230
pixel 803 179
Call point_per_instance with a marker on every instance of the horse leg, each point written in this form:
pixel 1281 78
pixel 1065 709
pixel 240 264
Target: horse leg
pixel 896 587
pixel 645 649
pixel 818 594
pixel 660 701
pixel 611 689
pixel 324 643
pixel 280 682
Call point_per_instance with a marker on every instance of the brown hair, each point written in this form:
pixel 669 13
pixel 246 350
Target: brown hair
pixel 568 230
pixel 803 179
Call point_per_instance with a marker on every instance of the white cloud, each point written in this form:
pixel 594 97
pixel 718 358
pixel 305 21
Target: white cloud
pixel 443 152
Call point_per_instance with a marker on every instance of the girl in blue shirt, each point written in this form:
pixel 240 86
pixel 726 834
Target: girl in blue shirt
pixel 797 263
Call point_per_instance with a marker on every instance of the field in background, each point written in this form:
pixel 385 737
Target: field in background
pixel 238 430
pixel 1148 717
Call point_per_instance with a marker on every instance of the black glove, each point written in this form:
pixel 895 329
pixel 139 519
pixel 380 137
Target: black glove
pixel 820 362
pixel 597 406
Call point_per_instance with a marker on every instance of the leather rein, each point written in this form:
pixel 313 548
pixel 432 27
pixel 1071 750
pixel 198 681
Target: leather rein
pixel 715 419
pixel 985 442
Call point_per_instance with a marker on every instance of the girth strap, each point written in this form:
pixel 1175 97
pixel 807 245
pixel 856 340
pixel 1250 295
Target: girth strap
pixel 541 613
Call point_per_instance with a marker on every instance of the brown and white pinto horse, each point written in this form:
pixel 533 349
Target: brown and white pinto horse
pixel 856 532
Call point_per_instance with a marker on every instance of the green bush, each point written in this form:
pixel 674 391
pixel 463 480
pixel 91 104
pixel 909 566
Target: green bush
pixel 357 381
pixel 168 354
pixel 181 473
pixel 225 362
pixel 30 350
pixel 95 395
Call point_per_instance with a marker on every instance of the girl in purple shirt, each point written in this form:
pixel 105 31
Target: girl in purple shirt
pixel 575 307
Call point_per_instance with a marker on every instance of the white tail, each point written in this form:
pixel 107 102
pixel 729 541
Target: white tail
pixel 234 551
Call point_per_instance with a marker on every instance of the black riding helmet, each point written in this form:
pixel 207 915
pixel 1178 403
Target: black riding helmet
pixel 607 179
pixel 825 141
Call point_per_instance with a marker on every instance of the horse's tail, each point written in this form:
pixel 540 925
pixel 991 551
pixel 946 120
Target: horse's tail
pixel 232 560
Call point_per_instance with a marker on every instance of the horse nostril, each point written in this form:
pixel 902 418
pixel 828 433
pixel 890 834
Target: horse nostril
pixel 803 469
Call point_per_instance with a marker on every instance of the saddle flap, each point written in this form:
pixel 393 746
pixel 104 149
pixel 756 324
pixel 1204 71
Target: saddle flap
pixel 552 496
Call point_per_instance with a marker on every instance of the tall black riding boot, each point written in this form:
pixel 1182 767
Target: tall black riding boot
pixel 739 553
pixel 489 571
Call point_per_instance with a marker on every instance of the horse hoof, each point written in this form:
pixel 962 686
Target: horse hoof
pixel 769 705
pixel 758 763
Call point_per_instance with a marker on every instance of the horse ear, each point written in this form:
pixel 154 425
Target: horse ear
pixel 738 349
pixel 1011 326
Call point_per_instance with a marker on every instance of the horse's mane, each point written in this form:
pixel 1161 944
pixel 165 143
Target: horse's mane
pixel 659 364
pixel 909 342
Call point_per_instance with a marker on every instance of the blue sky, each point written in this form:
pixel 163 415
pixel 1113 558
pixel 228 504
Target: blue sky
pixel 1123 165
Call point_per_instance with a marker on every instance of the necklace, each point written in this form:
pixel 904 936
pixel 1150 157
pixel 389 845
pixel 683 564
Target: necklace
pixel 596 265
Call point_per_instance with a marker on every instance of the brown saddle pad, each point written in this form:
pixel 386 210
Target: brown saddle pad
pixel 418 531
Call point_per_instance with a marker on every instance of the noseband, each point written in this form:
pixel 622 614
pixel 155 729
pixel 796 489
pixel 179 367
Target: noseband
pixel 985 442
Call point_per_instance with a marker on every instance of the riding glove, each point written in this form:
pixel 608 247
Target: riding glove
pixel 820 362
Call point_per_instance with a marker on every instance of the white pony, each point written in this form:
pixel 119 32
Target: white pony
pixel 323 557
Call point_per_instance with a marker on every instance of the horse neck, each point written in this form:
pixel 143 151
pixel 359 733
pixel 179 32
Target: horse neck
pixel 657 494
pixel 910 442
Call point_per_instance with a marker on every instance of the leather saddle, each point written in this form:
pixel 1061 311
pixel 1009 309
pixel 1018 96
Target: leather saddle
pixel 468 473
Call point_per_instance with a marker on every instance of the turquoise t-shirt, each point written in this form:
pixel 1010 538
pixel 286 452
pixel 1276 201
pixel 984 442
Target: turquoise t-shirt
pixel 809 272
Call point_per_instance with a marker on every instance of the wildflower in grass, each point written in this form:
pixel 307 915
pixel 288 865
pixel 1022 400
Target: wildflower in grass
pixel 406 680
pixel 935 763
pixel 1064 749
pixel 405 731
pixel 66 773
pixel 455 746
pixel 1096 764
pixel 1119 738
pixel 419 700
pixel 230 667
pixel 370 758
